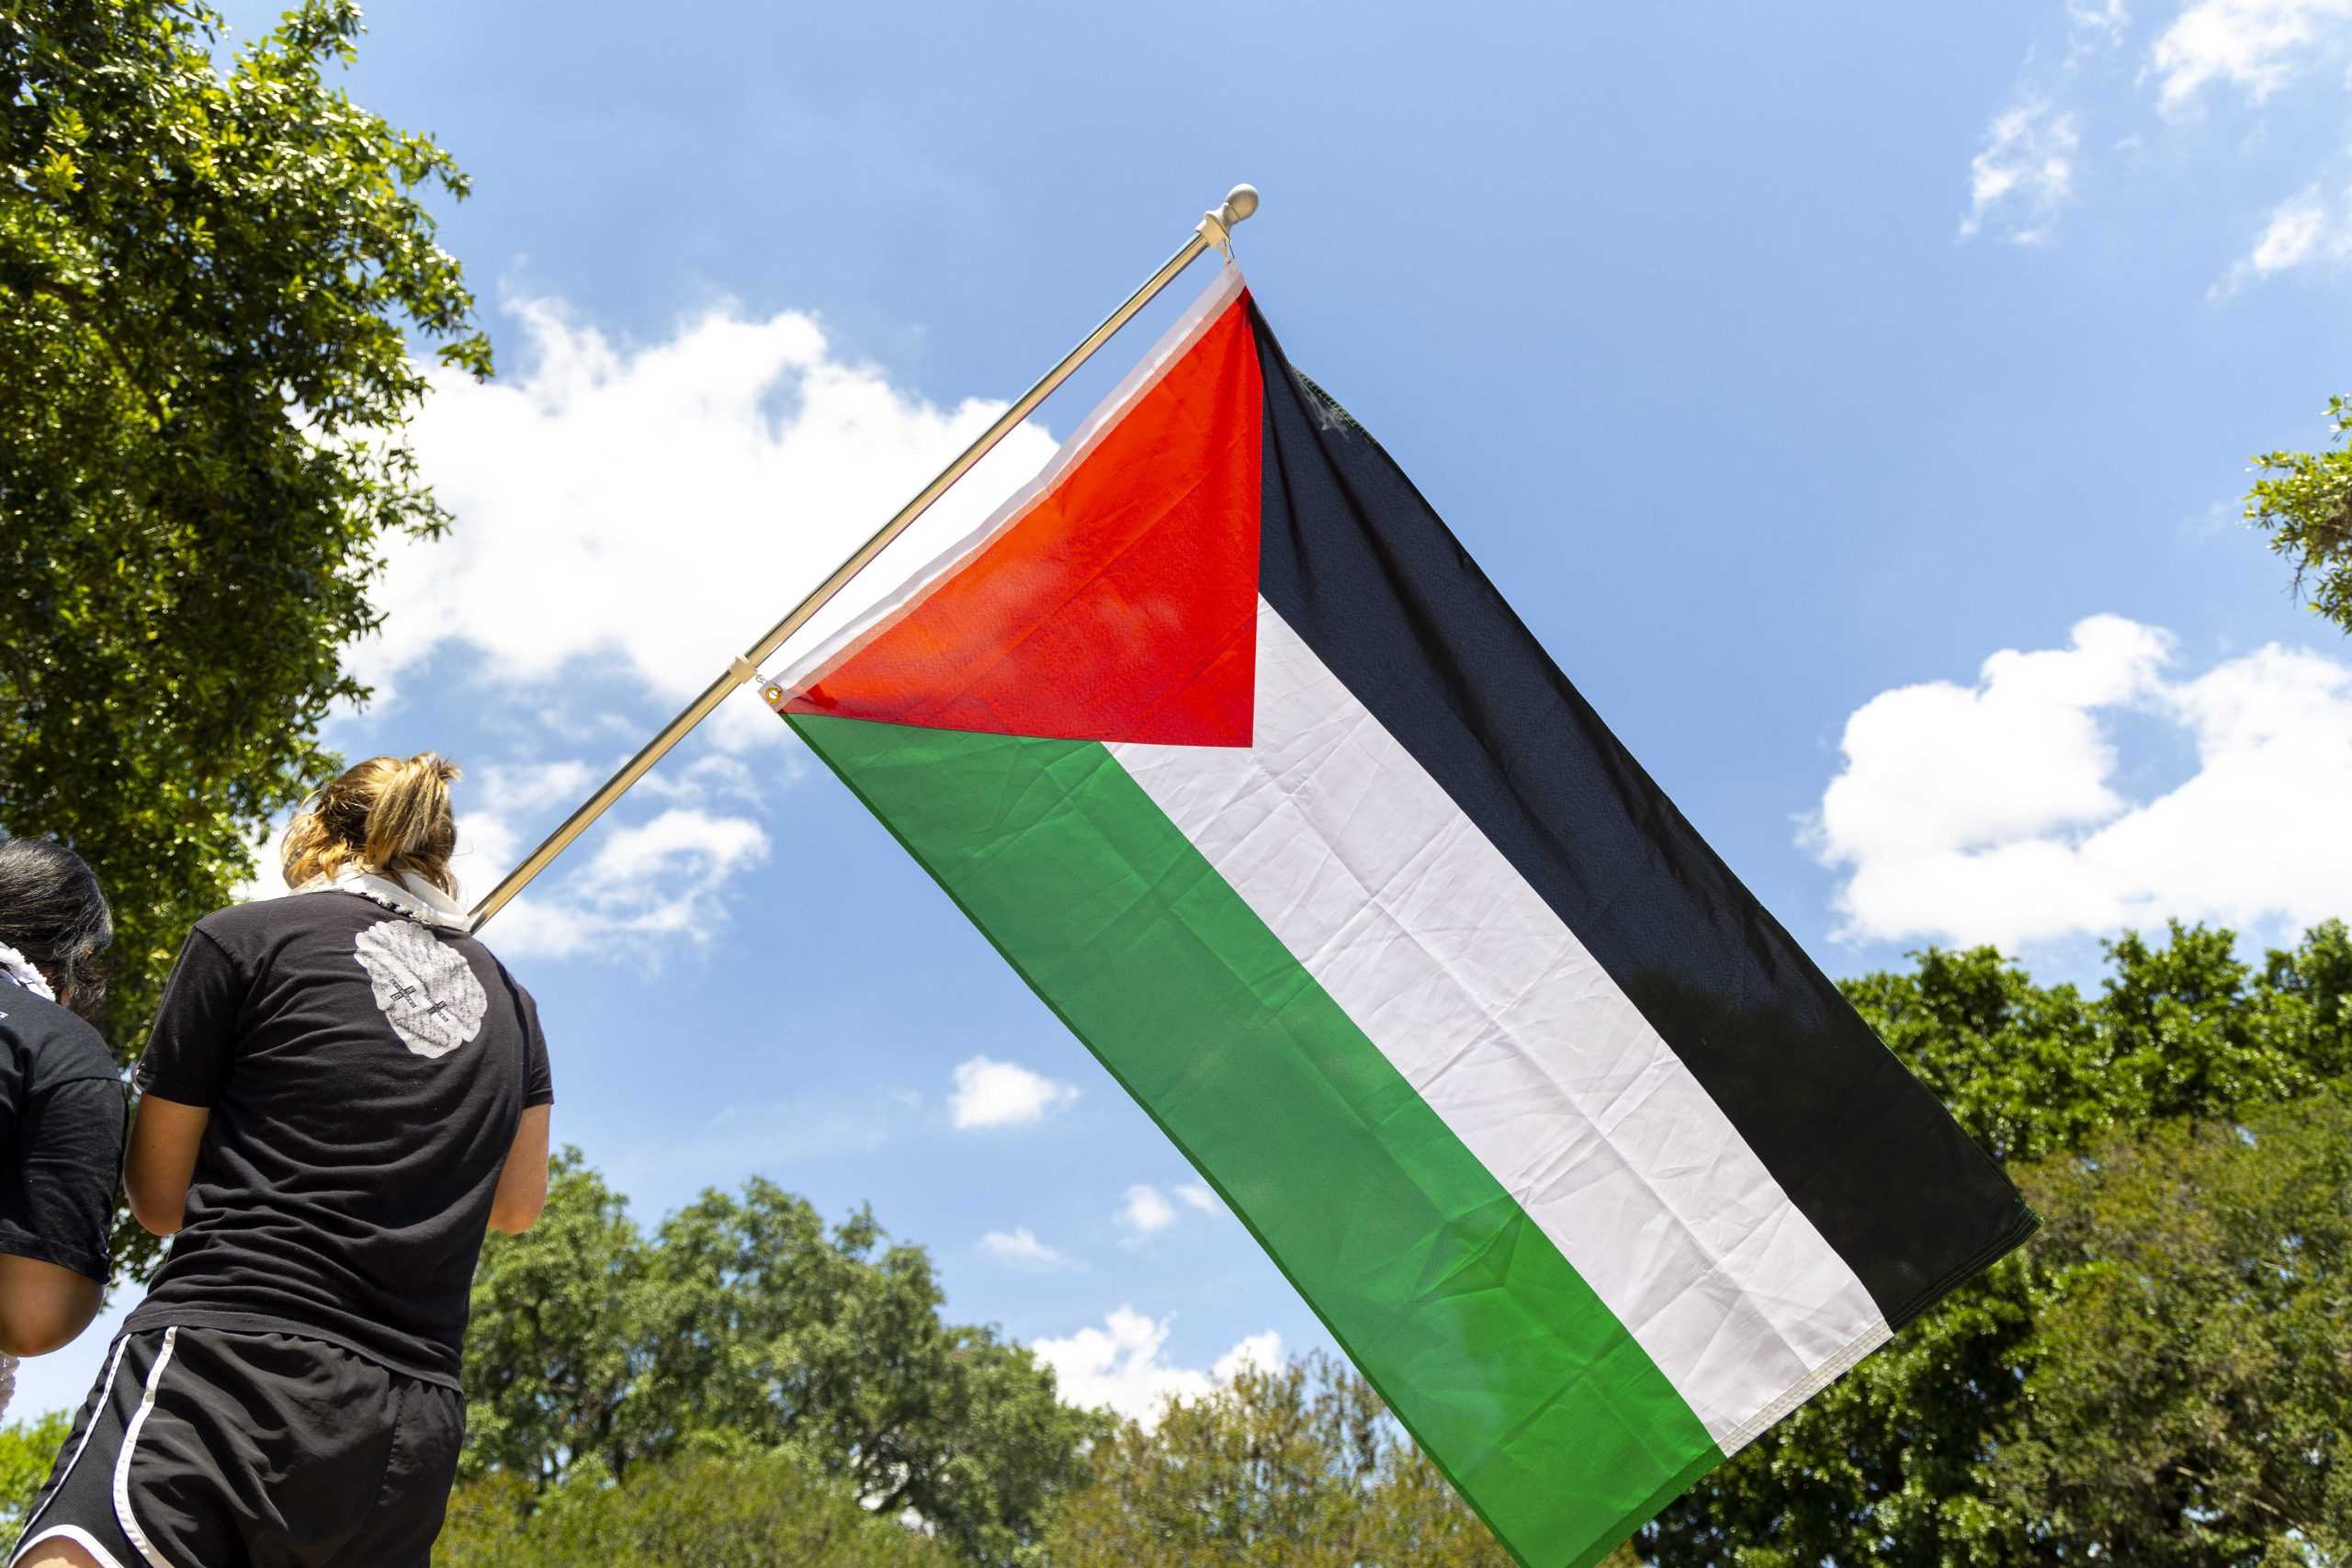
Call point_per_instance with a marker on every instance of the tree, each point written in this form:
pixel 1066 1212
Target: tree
pixel 2163 1377
pixel 697 1511
pixel 207 276
pixel 743 1324
pixel 2182 1029
pixel 28 1449
pixel 1302 1467
pixel 2188 1396
pixel 2305 505
pixel 1891 1463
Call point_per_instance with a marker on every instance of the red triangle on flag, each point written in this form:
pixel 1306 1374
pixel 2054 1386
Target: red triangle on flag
pixel 1122 604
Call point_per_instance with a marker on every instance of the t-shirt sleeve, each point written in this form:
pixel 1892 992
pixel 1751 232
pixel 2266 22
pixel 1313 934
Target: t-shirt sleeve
pixel 539 1083
pixel 68 1155
pixel 195 1037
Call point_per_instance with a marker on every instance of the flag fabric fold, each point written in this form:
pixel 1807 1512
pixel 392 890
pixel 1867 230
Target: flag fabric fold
pixel 1219 736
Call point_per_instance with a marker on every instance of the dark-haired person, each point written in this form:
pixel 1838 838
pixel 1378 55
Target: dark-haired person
pixel 61 1101
pixel 343 1090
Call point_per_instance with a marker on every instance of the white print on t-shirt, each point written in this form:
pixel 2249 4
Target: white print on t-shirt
pixel 427 988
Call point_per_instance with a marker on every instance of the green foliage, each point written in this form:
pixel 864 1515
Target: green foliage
pixel 206 277
pixel 2305 505
pixel 2182 1029
pixel 743 1325
pixel 28 1448
pixel 2188 1397
pixel 1302 1468
pixel 2163 1379
pixel 697 1511
pixel 1893 1463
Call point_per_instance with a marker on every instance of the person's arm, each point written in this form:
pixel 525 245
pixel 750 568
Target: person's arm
pixel 163 1145
pixel 56 1210
pixel 180 1078
pixel 42 1305
pixel 522 1181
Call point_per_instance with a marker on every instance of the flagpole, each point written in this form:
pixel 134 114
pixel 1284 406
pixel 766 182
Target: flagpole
pixel 1213 232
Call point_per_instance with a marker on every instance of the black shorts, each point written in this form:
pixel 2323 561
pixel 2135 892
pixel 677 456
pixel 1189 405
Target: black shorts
pixel 200 1448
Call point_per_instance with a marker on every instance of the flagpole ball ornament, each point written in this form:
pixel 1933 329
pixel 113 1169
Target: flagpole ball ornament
pixel 1216 224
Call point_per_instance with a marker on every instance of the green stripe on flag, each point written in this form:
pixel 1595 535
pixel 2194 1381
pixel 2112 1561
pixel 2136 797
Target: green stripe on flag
pixel 1509 1371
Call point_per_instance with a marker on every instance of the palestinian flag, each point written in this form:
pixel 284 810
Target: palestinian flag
pixel 1232 752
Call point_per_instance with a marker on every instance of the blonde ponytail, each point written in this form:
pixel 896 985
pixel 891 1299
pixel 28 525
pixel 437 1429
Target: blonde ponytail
pixel 383 815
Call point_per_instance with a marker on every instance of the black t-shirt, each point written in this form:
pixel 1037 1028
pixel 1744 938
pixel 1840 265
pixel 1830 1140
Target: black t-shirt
pixel 61 1135
pixel 365 1071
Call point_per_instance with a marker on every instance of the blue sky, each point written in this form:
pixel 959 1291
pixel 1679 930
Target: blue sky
pixel 1784 369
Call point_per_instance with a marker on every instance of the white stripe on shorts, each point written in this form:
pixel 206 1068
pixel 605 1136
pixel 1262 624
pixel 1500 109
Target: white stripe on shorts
pixel 80 1537
pixel 122 1515
pixel 26 1540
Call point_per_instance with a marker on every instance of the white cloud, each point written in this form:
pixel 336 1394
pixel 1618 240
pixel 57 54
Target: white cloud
pixel 2025 172
pixel 1020 1248
pixel 2294 233
pixel 989 1093
pixel 2256 45
pixel 638 515
pixel 503 787
pixel 713 778
pixel 2301 231
pixel 1118 1365
pixel 1256 1352
pixel 1200 1197
pixel 641 883
pixel 1992 813
pixel 628 518
pixel 1146 1211
pixel 629 885
pixel 2025 175
pixel 2094 27
pixel 660 872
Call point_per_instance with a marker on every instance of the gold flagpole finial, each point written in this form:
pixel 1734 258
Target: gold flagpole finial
pixel 1216 223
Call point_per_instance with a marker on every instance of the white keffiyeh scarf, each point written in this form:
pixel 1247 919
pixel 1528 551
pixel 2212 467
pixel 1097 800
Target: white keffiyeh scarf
pixel 15 966
pixel 418 899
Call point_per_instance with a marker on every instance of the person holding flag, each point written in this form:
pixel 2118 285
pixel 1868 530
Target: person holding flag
pixel 343 1089
pixel 1221 738
pixel 61 1100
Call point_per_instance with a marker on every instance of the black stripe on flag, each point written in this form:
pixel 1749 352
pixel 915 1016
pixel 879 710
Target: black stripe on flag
pixel 1362 569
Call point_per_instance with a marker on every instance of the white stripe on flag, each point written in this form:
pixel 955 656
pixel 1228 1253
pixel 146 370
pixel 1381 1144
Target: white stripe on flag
pixel 1470 985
